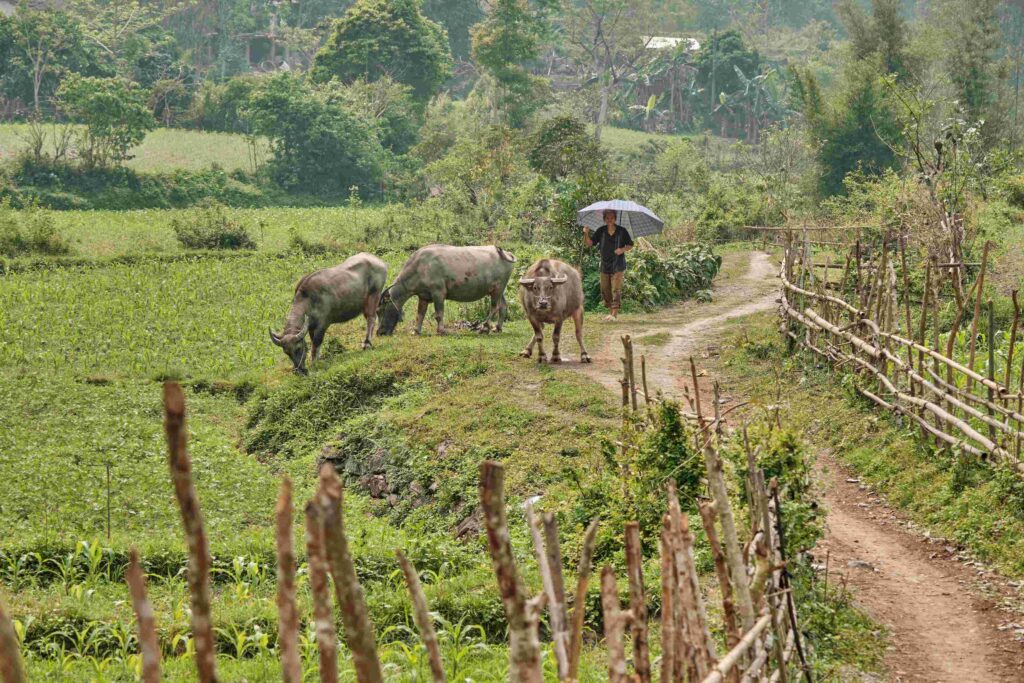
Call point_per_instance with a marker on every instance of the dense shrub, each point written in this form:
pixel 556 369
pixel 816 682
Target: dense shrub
pixel 654 279
pixel 61 186
pixel 115 113
pixel 319 145
pixel 31 231
pixel 563 147
pixel 221 106
pixel 211 228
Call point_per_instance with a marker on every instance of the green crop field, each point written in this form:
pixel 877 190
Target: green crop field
pixel 84 347
pixel 164 149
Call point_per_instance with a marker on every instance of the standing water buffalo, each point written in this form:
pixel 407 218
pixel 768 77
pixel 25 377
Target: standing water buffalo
pixel 333 295
pixel 440 272
pixel 551 291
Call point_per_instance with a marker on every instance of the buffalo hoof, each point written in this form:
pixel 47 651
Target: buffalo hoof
pixel 367 345
pixel 542 358
pixel 526 354
pixel 555 359
pixel 585 358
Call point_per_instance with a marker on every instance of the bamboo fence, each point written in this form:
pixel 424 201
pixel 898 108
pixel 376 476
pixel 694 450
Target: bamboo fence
pixel 866 323
pixel 762 631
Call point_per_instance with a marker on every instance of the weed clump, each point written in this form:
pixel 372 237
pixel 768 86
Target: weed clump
pixel 29 231
pixel 211 228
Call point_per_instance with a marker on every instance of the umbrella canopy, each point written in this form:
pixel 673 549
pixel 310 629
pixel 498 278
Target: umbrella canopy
pixel 638 220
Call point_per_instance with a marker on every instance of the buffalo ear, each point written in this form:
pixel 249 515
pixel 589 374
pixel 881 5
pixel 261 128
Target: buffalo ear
pixel 274 338
pixel 559 279
pixel 527 281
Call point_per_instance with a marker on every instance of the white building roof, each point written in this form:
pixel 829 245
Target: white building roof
pixel 662 42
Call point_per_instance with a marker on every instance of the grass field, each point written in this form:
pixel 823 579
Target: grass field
pixel 164 149
pixel 84 348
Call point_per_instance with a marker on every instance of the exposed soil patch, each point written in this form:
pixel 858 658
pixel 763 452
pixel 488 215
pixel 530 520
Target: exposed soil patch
pixel 946 624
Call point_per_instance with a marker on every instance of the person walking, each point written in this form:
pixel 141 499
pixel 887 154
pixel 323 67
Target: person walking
pixel 614 242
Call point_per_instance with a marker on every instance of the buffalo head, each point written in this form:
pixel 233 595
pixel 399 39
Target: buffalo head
pixel 391 316
pixel 294 346
pixel 542 290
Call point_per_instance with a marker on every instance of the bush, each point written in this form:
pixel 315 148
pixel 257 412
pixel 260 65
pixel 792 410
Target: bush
pixel 210 228
pixel 115 113
pixel 221 106
pixel 319 145
pixel 29 231
pixel 655 280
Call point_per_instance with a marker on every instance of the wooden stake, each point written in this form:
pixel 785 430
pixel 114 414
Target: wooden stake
pixel 1013 340
pixel 977 312
pixel 554 550
pixel 287 612
pixel 555 602
pixel 579 608
pixel 195 535
pixel 732 629
pixel 643 376
pixel 669 603
pixel 11 669
pixel 421 615
pixel 615 622
pixel 637 603
pixel 522 613
pixel 347 591
pixel 695 616
pixel 323 615
pixel 149 645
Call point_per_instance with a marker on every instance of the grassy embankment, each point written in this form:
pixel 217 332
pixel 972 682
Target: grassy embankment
pixel 163 149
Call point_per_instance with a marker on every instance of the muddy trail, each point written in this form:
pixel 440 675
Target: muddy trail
pixel 943 629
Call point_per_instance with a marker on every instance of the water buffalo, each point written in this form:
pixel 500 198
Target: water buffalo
pixel 440 272
pixel 551 291
pixel 333 295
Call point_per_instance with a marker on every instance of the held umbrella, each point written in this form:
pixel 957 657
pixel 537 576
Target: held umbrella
pixel 639 221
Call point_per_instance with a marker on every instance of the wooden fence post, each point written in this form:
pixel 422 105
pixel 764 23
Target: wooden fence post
pixel 288 613
pixel 149 645
pixel 553 589
pixel 615 621
pixel 579 608
pixel 523 613
pixel 421 615
pixel 669 604
pixel 637 603
pixel 323 615
pixel 11 670
pixel 195 534
pixel 348 593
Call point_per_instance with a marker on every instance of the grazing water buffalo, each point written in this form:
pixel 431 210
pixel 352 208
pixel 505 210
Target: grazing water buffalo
pixel 440 272
pixel 333 295
pixel 551 291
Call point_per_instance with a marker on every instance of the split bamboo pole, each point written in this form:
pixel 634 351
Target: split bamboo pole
pixel 615 621
pixel 195 534
pixel 149 644
pixel 579 608
pixel 287 612
pixel 323 615
pixel 732 630
pixel 554 551
pixel 421 615
pixel 523 613
pixel 977 311
pixel 11 668
pixel 637 603
pixel 554 601
pixel 669 604
pixel 348 593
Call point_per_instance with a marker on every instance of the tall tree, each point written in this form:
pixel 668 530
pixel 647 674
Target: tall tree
pixel 42 47
pixel 504 44
pixel 973 39
pixel 611 36
pixel 386 37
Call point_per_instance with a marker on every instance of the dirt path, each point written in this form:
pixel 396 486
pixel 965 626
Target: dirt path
pixel 942 631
